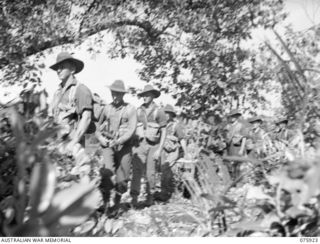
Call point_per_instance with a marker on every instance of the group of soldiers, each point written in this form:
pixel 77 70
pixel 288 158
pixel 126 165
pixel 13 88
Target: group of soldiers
pixel 134 142
pixel 235 137
pixel 137 142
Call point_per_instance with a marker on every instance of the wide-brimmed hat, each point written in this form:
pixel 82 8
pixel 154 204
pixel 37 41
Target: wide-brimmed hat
pixel 149 88
pixel 118 86
pixel 281 120
pixel 169 109
pixel 255 119
pixel 234 112
pixel 65 56
pixel 210 114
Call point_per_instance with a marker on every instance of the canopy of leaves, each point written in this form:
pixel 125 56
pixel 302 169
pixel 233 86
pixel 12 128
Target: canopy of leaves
pixel 293 63
pixel 168 37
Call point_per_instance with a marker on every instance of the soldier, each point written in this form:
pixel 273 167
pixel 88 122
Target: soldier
pixel 115 131
pixel 72 102
pixel 174 143
pixel 150 138
pixel 236 140
pixel 256 137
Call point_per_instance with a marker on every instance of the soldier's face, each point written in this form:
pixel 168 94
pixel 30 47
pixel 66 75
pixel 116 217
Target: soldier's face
pixel 256 124
pixel 65 70
pixel 117 97
pixel 148 97
pixel 210 120
pixel 282 125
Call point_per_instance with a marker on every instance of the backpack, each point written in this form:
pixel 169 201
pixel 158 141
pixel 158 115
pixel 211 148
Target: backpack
pixel 172 142
pixel 98 106
pixel 148 130
pixel 98 103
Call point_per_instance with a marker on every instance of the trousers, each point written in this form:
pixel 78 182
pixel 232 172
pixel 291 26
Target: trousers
pixel 115 172
pixel 167 176
pixel 143 164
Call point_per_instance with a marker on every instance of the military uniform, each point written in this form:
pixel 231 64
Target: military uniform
pixel 236 136
pixel 118 123
pixel 282 134
pixel 144 149
pixel 171 152
pixel 70 105
pixel 71 99
pixel 115 129
pixel 256 139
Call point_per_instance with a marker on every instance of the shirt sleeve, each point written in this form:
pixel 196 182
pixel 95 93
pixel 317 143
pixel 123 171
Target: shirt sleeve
pixel 179 131
pixel 84 100
pixel 161 118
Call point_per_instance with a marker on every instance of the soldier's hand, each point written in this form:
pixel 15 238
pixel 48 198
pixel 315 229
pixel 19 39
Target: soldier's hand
pixel 104 142
pixel 112 143
pixel 241 153
pixel 156 155
pixel 72 147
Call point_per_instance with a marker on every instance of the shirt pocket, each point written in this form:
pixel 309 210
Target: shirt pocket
pixel 124 120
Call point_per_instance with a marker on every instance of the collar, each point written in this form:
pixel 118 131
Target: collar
pixel 257 129
pixel 152 104
pixel 235 123
pixel 72 81
pixel 118 107
pixel 171 121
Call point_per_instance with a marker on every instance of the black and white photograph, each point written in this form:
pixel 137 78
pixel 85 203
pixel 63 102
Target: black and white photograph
pixel 159 118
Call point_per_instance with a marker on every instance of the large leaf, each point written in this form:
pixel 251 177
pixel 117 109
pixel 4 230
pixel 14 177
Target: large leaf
pixel 16 122
pixel 42 136
pixel 72 206
pixel 42 187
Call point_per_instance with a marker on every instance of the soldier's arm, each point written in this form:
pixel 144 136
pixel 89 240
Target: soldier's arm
pixel 180 133
pixel 132 124
pixel 243 144
pixel 244 133
pixel 99 127
pixel 82 126
pixel 84 108
pixel 163 137
pixel 183 143
pixel 162 120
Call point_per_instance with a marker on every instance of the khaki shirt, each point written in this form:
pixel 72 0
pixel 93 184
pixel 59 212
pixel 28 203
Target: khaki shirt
pixel 235 133
pixel 159 118
pixel 79 101
pixel 69 102
pixel 120 121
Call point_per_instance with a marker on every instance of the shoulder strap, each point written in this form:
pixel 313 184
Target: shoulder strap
pixel 153 110
pixel 58 96
pixel 119 120
pixel 121 114
pixel 72 94
pixel 104 112
pixel 174 127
